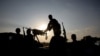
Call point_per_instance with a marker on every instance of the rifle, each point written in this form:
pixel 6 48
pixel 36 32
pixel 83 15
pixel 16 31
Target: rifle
pixel 23 32
pixel 64 32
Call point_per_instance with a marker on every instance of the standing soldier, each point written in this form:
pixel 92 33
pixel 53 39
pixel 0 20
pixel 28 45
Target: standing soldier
pixel 53 24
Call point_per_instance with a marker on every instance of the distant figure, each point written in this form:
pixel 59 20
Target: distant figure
pixel 57 45
pixel 29 35
pixel 18 36
pixel 29 39
pixel 17 39
pixel 17 30
pixel 75 46
pixel 73 37
pixel 53 24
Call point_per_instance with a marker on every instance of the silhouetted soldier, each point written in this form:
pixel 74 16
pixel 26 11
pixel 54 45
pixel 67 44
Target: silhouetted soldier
pixel 29 39
pixel 74 45
pixel 73 37
pixel 53 24
pixel 76 48
pixel 57 45
pixel 17 40
pixel 18 35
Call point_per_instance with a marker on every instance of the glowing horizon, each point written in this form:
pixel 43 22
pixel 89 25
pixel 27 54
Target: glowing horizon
pixel 81 17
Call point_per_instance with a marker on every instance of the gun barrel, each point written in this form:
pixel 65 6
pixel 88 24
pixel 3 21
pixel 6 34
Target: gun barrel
pixel 64 31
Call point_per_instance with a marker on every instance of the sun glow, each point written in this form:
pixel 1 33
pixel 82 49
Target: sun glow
pixel 42 27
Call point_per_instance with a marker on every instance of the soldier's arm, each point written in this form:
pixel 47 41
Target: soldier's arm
pixel 49 27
